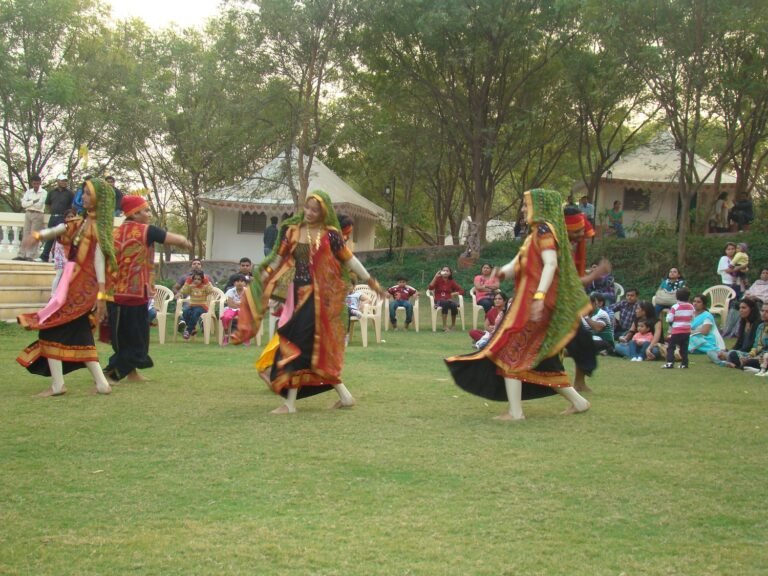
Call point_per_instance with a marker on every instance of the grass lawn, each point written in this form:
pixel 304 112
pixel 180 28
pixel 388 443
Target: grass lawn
pixel 190 474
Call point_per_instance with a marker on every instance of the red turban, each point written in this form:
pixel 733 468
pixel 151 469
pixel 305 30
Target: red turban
pixel 133 204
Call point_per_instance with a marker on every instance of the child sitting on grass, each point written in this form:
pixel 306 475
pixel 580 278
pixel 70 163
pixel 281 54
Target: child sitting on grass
pixel 640 342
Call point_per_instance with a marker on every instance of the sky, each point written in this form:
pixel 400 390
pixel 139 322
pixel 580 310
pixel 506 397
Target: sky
pixel 161 13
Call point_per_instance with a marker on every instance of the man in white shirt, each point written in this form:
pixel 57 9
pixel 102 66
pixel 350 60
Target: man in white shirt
pixel 33 203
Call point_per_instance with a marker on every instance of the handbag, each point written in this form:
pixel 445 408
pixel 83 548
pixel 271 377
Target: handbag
pixel 665 298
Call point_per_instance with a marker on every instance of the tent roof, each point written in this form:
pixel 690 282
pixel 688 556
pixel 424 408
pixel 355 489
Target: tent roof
pixel 267 191
pixel 659 162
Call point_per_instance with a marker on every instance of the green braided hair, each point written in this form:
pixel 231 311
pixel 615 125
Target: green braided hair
pixel 545 206
pixel 104 196
pixel 330 220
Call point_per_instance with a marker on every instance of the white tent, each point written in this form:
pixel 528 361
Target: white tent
pixel 239 214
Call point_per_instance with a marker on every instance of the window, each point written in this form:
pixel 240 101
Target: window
pixel 637 199
pixel 252 223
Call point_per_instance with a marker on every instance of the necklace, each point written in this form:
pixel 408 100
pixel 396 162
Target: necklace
pixel 314 241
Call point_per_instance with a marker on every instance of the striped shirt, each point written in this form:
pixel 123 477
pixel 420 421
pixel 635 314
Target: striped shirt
pixel 680 317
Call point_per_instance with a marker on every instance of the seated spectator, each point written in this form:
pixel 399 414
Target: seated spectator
pixel 604 285
pixel 354 301
pixel 599 323
pixel 195 265
pixel 757 360
pixel 626 310
pixel 401 297
pixel 246 271
pixel 749 318
pixel 493 319
pixel 445 289
pixel 705 337
pixel 616 220
pixel 234 295
pixel 665 294
pixel 759 288
pixel 486 283
pixel 645 311
pixel 152 312
pixel 198 289
pixel 641 341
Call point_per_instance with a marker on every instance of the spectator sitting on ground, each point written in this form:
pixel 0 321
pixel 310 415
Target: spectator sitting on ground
pixel 666 292
pixel 492 320
pixel 755 360
pixel 705 337
pixel 749 318
pixel 599 324
pixel 759 288
pixel 626 309
pixel 486 283
pixel 246 271
pixel 401 294
pixel 641 341
pixel 645 311
pixel 198 288
pixel 604 285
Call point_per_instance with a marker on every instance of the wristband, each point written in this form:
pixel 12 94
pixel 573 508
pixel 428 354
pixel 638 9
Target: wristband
pixel 539 296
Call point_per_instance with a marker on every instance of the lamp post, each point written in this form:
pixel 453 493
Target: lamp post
pixel 390 193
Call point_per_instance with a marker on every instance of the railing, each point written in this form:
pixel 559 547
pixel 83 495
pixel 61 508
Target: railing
pixel 11 229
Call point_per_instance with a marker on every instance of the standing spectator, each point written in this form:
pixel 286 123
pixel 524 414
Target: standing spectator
pixel 626 309
pixel 588 209
pixel 246 271
pixel 616 219
pixel 118 195
pixel 445 288
pixel 719 220
pixel 77 202
pixel 742 214
pixel 739 268
pixel 486 283
pixel 270 236
pixel 679 318
pixel 724 266
pixel 58 201
pixel 33 203
pixel 401 297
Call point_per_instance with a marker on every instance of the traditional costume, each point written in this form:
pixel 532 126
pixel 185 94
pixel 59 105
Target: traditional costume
pixel 522 359
pixel 311 278
pixel 65 340
pixel 132 285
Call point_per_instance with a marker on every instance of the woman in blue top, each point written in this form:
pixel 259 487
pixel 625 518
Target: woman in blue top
pixel 704 333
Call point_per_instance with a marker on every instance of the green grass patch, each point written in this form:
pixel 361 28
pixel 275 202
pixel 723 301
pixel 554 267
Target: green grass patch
pixel 190 474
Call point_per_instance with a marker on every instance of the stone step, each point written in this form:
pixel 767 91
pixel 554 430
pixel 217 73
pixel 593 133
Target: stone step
pixel 28 278
pixel 19 294
pixel 8 312
pixel 24 266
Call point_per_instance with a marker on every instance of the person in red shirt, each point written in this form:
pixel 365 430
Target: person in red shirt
pixel 445 288
pixel 401 297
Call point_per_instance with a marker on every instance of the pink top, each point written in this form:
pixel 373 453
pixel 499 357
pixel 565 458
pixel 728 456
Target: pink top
pixel 680 317
pixel 640 338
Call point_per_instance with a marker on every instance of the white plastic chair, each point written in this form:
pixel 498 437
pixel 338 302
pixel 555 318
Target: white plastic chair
pixel 162 298
pixel 618 291
pixel 476 309
pixel 370 309
pixel 435 311
pixel 720 297
pixel 385 311
pixel 216 303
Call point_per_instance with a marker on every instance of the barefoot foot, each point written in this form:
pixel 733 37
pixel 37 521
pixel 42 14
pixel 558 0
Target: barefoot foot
pixel 507 417
pixel 48 393
pixel 339 404
pixel 284 409
pixel 136 377
pixel 581 387
pixel 103 391
pixel 573 410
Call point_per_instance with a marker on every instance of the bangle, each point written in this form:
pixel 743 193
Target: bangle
pixel 268 269
pixel 539 296
pixel 36 235
pixel 101 296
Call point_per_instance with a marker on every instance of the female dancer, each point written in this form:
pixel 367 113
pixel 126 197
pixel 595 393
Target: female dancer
pixel 311 259
pixel 65 340
pixel 522 359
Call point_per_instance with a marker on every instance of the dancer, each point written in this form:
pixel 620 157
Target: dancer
pixel 311 259
pixel 65 340
pixel 522 359
pixel 132 284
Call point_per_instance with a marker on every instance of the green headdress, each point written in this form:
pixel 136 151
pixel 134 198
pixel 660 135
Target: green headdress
pixel 547 206
pixel 104 212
